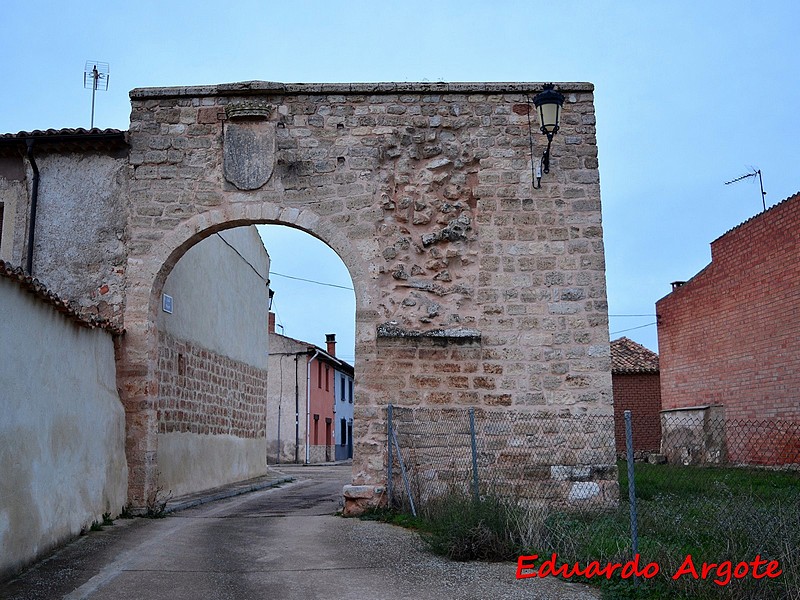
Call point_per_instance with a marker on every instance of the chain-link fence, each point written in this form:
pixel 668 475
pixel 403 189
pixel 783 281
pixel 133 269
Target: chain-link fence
pixel 716 490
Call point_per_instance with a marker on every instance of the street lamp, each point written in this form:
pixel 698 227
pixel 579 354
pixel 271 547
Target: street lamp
pixel 548 103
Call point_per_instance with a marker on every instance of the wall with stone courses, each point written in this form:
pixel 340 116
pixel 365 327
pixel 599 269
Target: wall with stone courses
pixel 62 455
pixel 213 405
pixel 220 299
pixel 79 249
pixel 534 457
pixel 425 193
pixel 730 335
pixel 212 364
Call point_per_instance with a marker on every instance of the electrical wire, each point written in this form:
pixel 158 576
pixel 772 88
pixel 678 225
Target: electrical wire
pixel 647 315
pixel 632 328
pixel 333 285
pixel 243 258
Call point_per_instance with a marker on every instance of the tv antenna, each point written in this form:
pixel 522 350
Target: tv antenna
pixel 95 76
pixel 753 173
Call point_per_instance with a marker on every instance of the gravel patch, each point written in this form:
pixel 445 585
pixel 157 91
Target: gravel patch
pixel 403 554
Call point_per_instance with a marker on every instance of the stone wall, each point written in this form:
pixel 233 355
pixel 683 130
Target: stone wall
pixel 211 418
pixel 212 365
pixel 80 233
pixel 425 192
pixel 539 459
pixel 62 456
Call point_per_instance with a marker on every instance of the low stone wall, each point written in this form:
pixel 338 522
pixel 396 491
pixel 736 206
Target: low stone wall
pixel 211 418
pixel 694 436
pixel 541 459
pixel 62 456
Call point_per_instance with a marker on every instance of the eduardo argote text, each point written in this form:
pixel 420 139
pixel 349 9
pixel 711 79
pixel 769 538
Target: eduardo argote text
pixel 720 573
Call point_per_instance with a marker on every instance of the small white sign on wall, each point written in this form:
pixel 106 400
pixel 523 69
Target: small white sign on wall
pixel 166 303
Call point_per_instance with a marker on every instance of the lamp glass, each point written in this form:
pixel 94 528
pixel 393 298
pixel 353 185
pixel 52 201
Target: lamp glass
pixel 550 114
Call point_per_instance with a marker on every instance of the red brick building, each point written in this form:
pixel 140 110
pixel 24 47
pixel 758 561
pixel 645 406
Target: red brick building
pixel 636 385
pixel 730 336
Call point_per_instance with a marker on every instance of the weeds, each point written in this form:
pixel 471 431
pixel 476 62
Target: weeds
pixel 156 506
pixel 714 514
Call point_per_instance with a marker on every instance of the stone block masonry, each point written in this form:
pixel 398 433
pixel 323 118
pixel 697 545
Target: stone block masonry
pixel 210 416
pixel 209 394
pixel 472 288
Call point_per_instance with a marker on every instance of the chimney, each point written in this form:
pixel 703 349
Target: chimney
pixel 271 322
pixel 330 340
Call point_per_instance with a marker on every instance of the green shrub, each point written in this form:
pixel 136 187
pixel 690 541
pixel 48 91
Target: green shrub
pixel 463 528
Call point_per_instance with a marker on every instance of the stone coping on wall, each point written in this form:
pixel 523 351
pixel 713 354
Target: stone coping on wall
pixel 40 291
pixel 461 335
pixel 277 88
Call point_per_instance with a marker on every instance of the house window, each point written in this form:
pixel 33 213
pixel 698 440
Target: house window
pixel 2 206
pixel 319 374
pixel 350 390
pixel 343 436
pixel 342 389
pixel 327 378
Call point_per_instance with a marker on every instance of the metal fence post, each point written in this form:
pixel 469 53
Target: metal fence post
pixel 631 486
pixel 474 455
pixel 403 473
pixel 389 475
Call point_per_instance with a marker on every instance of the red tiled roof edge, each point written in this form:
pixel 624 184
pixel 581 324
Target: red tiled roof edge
pixel 629 357
pixel 38 289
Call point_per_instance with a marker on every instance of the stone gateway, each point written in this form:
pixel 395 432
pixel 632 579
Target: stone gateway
pixel 472 287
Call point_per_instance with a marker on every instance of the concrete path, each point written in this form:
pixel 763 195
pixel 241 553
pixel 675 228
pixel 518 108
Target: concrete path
pixel 281 543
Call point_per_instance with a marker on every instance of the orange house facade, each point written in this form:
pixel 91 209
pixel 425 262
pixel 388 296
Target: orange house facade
pixel 320 424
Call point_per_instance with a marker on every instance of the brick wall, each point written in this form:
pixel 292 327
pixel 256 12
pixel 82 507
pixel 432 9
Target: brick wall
pixel 206 393
pixel 731 335
pixel 639 393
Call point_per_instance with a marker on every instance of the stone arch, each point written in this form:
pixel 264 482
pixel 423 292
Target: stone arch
pixel 148 278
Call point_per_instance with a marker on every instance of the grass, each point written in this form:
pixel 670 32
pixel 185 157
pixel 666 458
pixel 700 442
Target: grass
pixel 714 514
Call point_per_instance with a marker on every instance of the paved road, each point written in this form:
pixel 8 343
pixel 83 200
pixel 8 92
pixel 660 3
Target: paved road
pixel 278 544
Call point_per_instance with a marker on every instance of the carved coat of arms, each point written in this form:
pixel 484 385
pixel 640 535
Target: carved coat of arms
pixel 249 144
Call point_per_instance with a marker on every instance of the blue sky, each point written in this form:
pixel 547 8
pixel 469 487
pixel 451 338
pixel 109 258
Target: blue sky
pixel 688 96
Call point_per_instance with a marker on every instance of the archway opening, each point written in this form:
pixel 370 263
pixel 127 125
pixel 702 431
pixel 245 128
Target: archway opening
pixel 241 386
pixel 311 395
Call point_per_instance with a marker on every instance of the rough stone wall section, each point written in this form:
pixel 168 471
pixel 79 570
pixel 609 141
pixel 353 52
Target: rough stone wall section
pixel 205 393
pixel 730 336
pixel 425 192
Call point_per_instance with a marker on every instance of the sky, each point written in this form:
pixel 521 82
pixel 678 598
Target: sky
pixel 688 95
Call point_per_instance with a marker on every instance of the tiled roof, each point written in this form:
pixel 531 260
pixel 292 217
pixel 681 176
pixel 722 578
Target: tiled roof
pixel 64 140
pixel 629 357
pixel 72 312
pixel 347 367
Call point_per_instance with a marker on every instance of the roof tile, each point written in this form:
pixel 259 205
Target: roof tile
pixel 629 357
